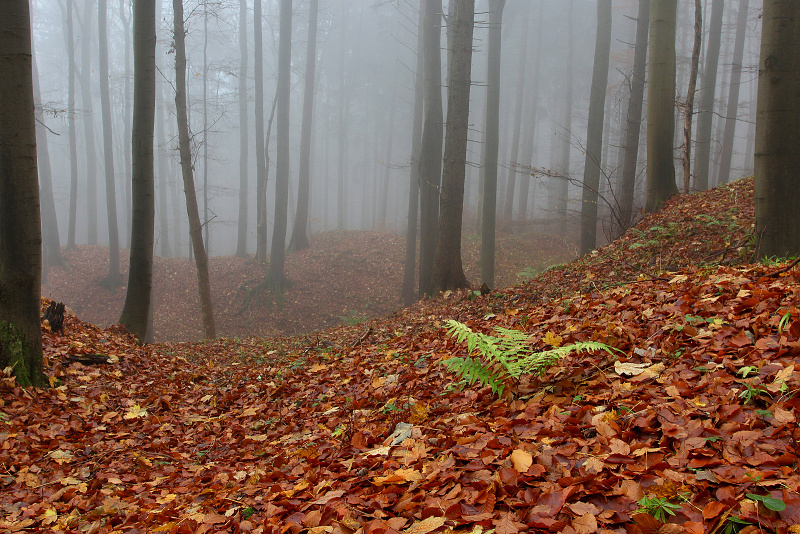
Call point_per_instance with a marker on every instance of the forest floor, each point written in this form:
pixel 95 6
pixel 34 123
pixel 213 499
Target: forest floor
pixel 361 429
pixel 346 278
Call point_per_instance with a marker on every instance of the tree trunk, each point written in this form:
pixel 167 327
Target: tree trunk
pixel 73 138
pixel 512 171
pixel 687 128
pixel 20 227
pixel 383 197
pixel 492 143
pixel 299 239
pixel 702 155
pixel 661 105
pixel 88 124
pixel 407 293
pixel 163 172
pixel 777 159
pixel 126 20
pixel 261 157
pixel 448 272
pixel 195 228
pixel 530 135
pixel 430 163
pixel 277 258
pixel 136 311
pixel 241 239
pixel 594 142
pixel 559 196
pixel 206 222
pixel 113 279
pixel 342 144
pixel 728 137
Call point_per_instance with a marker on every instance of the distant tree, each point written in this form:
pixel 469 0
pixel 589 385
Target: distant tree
pixel 705 111
pixel 136 311
pixel 299 239
pixel 448 272
pixel 430 159
pixel 407 293
pixel 559 184
pixel 594 142
pixel 277 257
pixel 20 230
pixel 73 146
pixel 125 17
pixel 88 123
pixel 661 105
pixel 261 155
pixel 492 143
pixel 113 279
pixel 531 118
pixel 195 228
pixel 633 121
pixel 689 112
pixel 241 240
pixel 731 116
pixel 777 159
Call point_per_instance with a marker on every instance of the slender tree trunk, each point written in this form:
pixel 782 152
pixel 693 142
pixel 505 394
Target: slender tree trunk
pixel 661 105
pixel 195 230
pixel 687 127
pixel 777 159
pixel 342 145
pixel 530 135
pixel 512 172
pixel 430 163
pixel 299 239
pixel 20 227
pixel 73 138
pixel 448 272
pixel 206 222
pixel 702 155
pixel 383 196
pixel 126 20
pixel 113 279
pixel 407 293
pixel 492 143
pixel 88 124
pixel 731 116
pixel 594 142
pixel 277 257
pixel 241 239
pixel 163 173
pixel 136 311
pixel 261 157
pixel 560 184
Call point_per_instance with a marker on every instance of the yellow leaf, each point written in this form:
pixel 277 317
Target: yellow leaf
pixel 425 526
pixel 554 340
pixel 419 412
pixel 48 517
pixel 60 456
pixel 318 367
pixel 135 412
pixel 521 460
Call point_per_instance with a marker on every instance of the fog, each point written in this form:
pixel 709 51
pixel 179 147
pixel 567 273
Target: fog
pixel 362 121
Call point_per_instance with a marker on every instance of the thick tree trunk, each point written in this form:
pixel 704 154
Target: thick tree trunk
pixel 661 105
pixel 777 159
pixel 489 222
pixel 430 163
pixel 136 311
pixel 113 279
pixel 448 272
pixel 277 257
pixel 20 229
pixel 687 125
pixel 594 142
pixel 407 293
pixel 195 231
pixel 731 116
pixel 705 111
pixel 241 238
pixel 299 239
pixel 88 124
pixel 261 156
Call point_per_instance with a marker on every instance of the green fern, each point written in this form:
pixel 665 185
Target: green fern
pixel 506 355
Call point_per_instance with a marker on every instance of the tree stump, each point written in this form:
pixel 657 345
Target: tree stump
pixel 54 315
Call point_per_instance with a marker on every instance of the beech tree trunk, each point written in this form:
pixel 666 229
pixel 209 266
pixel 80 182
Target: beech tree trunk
pixel 687 125
pixel 705 111
pixel 777 158
pixel 241 238
pixel 448 272
pixel 88 124
pixel 299 239
pixel 661 105
pixel 73 138
pixel 530 134
pixel 594 142
pixel 136 311
pixel 261 156
pixel 195 228
pixel 20 228
pixel 559 185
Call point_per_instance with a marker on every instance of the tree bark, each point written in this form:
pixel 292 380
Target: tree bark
pixel 559 196
pixel 299 239
pixel 136 311
pixel 430 163
pixel 20 227
pixel 731 115
pixel 687 125
pixel 777 159
pixel 113 279
pixel 241 238
pixel 73 146
pixel 126 20
pixel 530 135
pixel 277 258
pixel 448 272
pixel 88 124
pixel 489 222
pixel 661 105
pixel 702 155
pixel 261 157
pixel 195 228
pixel 594 142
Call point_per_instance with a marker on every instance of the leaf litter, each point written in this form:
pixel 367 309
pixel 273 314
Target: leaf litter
pixel 360 429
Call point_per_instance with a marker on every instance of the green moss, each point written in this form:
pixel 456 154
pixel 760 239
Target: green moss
pixel 14 352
